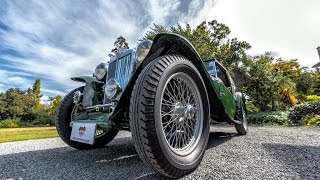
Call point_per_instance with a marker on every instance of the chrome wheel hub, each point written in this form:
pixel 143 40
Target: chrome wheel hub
pixel 184 111
pixel 190 112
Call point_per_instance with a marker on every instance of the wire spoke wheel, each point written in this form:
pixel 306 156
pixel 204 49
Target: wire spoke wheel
pixel 181 112
pixel 169 116
pixel 242 128
pixel 244 119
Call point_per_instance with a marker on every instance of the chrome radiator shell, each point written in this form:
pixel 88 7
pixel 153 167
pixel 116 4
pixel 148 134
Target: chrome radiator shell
pixel 121 69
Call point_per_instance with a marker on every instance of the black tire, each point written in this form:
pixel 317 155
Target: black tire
pixel 145 121
pixel 242 129
pixel 63 119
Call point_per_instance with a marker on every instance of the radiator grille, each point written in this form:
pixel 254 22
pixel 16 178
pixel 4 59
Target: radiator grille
pixel 121 70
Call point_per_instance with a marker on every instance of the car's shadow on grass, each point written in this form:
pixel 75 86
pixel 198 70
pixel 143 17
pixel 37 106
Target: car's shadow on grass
pixel 118 160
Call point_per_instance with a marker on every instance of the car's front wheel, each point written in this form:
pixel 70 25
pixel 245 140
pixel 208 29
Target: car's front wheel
pixel 169 116
pixel 64 116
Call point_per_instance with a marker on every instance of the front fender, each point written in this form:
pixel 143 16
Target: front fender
pixel 168 43
pixel 92 86
pixel 85 79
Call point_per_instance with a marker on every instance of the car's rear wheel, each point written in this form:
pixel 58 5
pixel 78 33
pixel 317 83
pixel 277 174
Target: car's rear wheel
pixel 64 116
pixel 169 116
pixel 242 129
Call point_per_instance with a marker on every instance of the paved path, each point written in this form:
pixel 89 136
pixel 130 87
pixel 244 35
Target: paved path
pixel 265 153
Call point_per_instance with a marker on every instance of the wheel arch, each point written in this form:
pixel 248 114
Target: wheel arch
pixel 169 43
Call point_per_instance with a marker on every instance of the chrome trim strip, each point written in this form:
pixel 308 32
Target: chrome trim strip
pixel 100 105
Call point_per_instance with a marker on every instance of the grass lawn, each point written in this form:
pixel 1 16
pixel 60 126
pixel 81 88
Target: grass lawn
pixel 19 134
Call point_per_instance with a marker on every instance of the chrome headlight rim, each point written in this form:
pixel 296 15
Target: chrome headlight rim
pixel 142 50
pixel 112 88
pixel 100 71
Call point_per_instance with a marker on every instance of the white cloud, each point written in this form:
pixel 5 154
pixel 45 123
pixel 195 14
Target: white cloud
pixel 51 91
pixel 60 39
pixel 45 100
pixel 10 79
pixel 58 42
pixel 289 27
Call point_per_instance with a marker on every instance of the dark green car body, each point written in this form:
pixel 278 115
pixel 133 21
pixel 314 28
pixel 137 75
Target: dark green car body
pixel 225 102
pixel 164 94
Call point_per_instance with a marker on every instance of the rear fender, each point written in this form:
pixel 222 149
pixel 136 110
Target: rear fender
pixel 240 103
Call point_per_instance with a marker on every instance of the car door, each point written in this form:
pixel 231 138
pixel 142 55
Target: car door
pixel 225 91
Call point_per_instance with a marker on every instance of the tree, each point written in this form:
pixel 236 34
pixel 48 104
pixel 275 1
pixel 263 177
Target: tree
pixel 305 83
pixel 316 84
pixel 3 106
pixel 259 81
pixel 55 104
pixel 210 40
pixel 269 87
pixel 18 103
pixel 37 94
pixel 289 68
pixel 120 44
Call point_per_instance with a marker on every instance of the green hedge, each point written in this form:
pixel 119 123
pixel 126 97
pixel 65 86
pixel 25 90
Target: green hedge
pixel 11 123
pixel 312 98
pixel 269 118
pixel 311 120
pixel 299 112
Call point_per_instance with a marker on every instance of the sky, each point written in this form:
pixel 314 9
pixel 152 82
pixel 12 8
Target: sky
pixel 55 40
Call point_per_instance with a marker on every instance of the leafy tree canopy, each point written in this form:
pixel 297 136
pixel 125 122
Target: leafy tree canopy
pixel 120 44
pixel 211 40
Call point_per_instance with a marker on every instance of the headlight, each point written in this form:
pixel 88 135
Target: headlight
pixel 112 88
pixel 143 49
pixel 100 71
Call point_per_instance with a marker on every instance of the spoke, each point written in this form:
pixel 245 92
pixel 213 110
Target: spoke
pixel 177 90
pixel 181 90
pixel 184 141
pixel 167 112
pixel 168 93
pixel 184 91
pixel 173 89
pixel 167 101
pixel 171 133
pixel 169 122
pixel 165 104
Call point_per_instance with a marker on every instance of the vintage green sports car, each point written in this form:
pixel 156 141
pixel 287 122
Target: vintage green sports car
pixel 164 94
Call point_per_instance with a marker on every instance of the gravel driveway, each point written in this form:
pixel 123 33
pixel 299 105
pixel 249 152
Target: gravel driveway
pixel 265 153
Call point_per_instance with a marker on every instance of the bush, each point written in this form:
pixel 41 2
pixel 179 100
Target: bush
pixel 312 98
pixel 10 123
pixel 44 119
pixel 312 120
pixel 251 108
pixel 269 118
pixel 297 113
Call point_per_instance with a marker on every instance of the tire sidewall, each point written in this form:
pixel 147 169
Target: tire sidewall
pixel 192 159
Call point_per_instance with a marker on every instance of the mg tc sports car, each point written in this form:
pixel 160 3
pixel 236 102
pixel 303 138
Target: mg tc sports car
pixel 164 94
